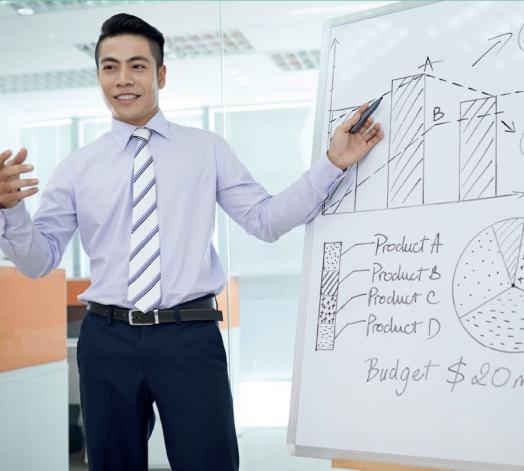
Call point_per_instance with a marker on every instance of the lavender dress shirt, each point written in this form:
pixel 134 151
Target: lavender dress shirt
pixel 91 189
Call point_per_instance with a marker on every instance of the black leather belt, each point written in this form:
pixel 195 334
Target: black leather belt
pixel 200 309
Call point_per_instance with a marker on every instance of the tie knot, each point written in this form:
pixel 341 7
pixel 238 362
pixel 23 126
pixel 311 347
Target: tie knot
pixel 144 133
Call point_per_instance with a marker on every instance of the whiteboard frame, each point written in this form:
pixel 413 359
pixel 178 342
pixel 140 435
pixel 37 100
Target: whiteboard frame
pixel 329 453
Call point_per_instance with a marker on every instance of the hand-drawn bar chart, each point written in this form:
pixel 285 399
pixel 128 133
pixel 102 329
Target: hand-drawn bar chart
pixel 403 177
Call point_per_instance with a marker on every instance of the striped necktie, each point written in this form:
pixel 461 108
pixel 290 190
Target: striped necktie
pixel 144 259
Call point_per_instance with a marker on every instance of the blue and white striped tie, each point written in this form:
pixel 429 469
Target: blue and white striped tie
pixel 144 259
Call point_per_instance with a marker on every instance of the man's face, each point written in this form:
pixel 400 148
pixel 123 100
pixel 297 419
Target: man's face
pixel 127 67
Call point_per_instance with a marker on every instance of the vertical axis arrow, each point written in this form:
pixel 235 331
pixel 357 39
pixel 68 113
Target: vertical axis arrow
pixel 334 47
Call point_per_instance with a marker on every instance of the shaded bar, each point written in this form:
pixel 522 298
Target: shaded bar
pixel 328 296
pixel 406 144
pixel 478 149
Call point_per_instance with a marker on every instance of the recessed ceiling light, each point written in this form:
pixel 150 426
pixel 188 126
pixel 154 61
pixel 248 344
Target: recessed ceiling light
pixel 36 7
pixel 25 11
pixel 349 7
pixel 54 80
pixel 296 60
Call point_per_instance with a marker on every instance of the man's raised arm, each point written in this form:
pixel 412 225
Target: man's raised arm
pixel 34 246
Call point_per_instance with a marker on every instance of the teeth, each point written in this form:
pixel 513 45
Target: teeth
pixel 126 97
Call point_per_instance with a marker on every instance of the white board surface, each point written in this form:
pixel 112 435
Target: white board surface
pixel 410 343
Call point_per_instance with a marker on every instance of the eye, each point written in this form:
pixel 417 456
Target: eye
pixel 107 67
pixel 139 65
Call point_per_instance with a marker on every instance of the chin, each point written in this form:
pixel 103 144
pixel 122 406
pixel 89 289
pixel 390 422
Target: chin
pixel 136 117
pixel 127 115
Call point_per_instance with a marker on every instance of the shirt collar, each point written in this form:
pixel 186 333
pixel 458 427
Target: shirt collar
pixel 122 131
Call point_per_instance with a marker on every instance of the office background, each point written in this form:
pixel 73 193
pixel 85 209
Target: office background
pixel 246 70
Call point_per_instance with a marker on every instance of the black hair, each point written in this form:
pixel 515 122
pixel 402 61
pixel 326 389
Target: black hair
pixel 122 23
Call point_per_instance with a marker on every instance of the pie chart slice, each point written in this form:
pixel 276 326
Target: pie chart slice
pixel 499 324
pixel 509 237
pixel 480 274
pixel 519 269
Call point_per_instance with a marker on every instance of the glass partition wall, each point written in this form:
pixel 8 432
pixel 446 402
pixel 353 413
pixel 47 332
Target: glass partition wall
pixel 245 70
pixel 269 115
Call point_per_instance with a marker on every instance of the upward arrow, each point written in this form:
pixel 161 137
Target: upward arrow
pixel 335 41
pixel 509 35
pixel 509 128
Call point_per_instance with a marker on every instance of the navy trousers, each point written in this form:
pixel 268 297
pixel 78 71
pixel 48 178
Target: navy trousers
pixel 182 368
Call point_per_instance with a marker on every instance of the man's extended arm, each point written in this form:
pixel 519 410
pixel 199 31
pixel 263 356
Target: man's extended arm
pixel 264 215
pixel 269 216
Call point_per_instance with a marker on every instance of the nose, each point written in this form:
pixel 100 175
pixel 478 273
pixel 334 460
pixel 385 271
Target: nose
pixel 124 77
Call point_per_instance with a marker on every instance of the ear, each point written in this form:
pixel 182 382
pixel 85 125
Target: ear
pixel 162 76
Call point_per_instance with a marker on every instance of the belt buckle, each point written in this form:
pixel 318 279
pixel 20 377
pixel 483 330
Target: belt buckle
pixel 132 322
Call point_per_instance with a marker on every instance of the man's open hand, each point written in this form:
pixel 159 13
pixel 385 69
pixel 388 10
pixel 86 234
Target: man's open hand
pixel 10 183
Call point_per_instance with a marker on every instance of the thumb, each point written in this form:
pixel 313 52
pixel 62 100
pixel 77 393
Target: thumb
pixel 349 123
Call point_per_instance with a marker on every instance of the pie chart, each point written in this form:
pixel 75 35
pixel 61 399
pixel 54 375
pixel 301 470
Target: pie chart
pixel 488 286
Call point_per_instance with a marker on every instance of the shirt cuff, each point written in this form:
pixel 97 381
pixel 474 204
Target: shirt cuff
pixel 323 172
pixel 15 216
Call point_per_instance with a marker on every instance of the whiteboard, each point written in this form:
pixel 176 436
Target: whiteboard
pixel 410 340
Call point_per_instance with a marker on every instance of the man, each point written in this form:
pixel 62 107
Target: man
pixel 143 197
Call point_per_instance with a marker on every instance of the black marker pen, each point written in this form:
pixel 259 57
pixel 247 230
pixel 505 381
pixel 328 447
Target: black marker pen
pixel 365 116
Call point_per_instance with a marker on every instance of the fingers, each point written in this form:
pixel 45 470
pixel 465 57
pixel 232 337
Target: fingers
pixel 366 127
pixel 13 170
pixel 356 116
pixel 348 124
pixel 8 200
pixel 17 159
pixel 10 183
pixel 11 192
pixel 371 131
pixel 15 185
pixel 4 156
pixel 374 136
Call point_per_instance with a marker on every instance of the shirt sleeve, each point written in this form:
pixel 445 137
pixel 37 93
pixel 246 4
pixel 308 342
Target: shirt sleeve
pixel 269 216
pixel 36 246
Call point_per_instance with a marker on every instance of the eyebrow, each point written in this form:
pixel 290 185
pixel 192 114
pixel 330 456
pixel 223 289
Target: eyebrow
pixel 131 59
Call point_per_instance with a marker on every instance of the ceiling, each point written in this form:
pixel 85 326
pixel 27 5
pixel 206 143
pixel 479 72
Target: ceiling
pixel 48 73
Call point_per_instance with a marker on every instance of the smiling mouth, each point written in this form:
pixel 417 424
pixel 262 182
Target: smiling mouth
pixel 127 98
